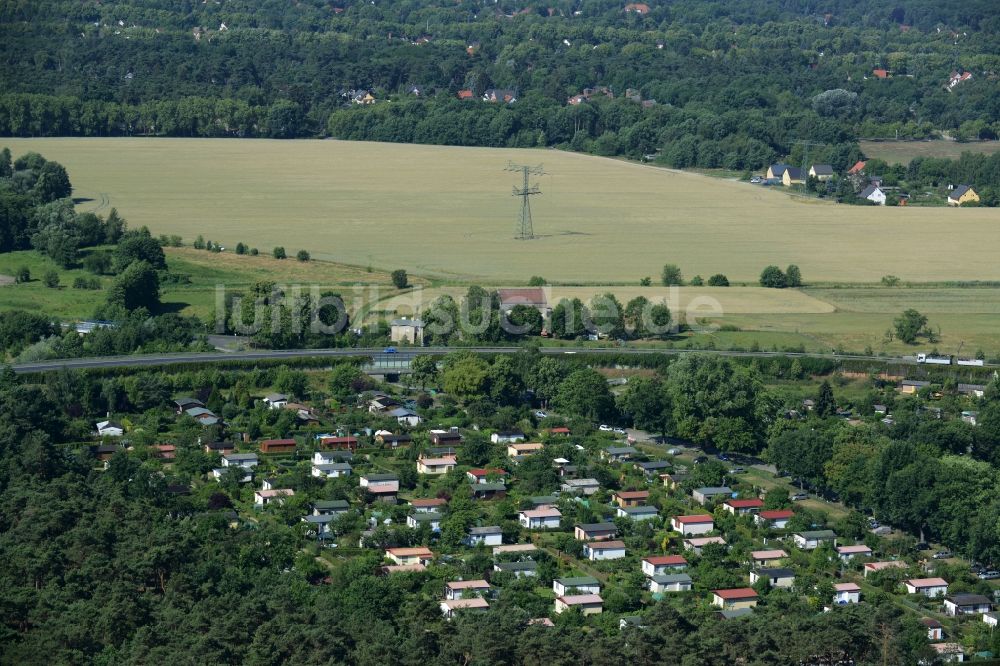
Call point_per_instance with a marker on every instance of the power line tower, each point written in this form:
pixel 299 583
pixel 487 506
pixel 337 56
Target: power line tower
pixel 525 231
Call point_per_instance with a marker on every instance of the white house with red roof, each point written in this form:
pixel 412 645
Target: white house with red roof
pixel 847 553
pixel 777 519
pixel 458 589
pixel 589 604
pixel 451 606
pixel 872 567
pixel 736 598
pixel 604 550
pixel 767 557
pixel 654 565
pixel 743 507
pixel 692 525
pixel 487 475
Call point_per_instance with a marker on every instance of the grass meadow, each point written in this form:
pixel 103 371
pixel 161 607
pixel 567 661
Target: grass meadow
pixel 447 213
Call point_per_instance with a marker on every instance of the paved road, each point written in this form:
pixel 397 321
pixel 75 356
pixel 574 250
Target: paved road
pixel 379 356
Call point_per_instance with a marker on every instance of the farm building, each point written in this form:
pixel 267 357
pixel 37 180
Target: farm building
pixel 962 194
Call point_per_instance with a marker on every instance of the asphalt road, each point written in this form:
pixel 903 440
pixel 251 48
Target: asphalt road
pixel 403 354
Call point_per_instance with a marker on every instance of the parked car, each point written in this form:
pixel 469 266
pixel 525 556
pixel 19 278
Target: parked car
pixel 673 452
pixel 943 555
pixel 737 470
pixel 389 350
pixel 541 415
pixel 755 180
pixel 620 431
pixel 799 496
pixel 989 575
pixel 922 545
pixel 605 428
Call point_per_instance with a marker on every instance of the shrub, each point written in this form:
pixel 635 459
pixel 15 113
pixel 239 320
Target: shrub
pixel 23 275
pixel 279 253
pixel 890 281
pixel 400 279
pixel 302 255
pixel 773 277
pixel 793 276
pixel 51 279
pixel 537 281
pixel 254 252
pixel 696 281
pixel 241 248
pixel 199 243
pixel 671 275
pixel 718 280
pixel 646 281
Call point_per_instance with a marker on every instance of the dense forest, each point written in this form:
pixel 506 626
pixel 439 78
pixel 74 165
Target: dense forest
pixel 709 83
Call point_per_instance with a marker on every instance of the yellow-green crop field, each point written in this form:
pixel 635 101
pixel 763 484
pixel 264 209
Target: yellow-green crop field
pixel 448 213
pixel 903 151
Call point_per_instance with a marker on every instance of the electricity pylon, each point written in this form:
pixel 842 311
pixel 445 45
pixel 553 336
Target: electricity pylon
pixel 525 230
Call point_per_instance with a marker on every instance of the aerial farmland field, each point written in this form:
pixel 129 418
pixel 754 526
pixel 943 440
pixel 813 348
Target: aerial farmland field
pixel 903 151
pixel 447 213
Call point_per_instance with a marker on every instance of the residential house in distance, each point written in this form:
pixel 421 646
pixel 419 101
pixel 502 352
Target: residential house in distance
pixel 330 507
pixel 338 443
pixel 405 416
pixel 445 437
pixel 911 386
pixel 526 569
pixel 604 550
pixel 821 172
pixel 678 582
pixel 734 599
pixel 710 494
pixel 332 470
pixel 277 446
pixel 962 194
pixel 581 486
pixel 244 460
pixel 457 589
pixel 881 73
pixel 518 450
pixel 363 97
pixel 626 498
pixel 775 577
pixel 275 400
pixel 766 558
pixel 673 480
pixel 776 171
pixel 872 567
pixel 222 448
pixel 185 403
pixel 935 630
pixel 419 555
pixel 430 518
pixel 948 652
pixel 393 440
pixel 503 95
pixel 974 390
pixel 957 78
pixel 777 519
pixel 384 487
pixel 692 525
pixel 858 168
pixel 331 457
pixel 533 297
pixel 507 437
pixel 847 553
pixel 640 8
pixel 875 194
pixel 595 531
pixel 436 466
pixel 637 512
pixel 466 95
pixel 484 536
pixel 618 453
pixel 490 475
pixel 792 176
pixel 846 593
pixel 540 519
pixel 695 544
pixel 589 604
pixel 813 539
pixel 967 604
pixel 262 498
pixel 655 565
pixel 929 587
pixel 110 429
pixel 451 606
pixel 743 507
pixel 488 491
pixel 202 415
pixel 578 585
pixel 428 504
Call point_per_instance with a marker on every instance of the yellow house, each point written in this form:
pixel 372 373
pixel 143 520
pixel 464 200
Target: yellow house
pixel 821 172
pixel 962 194
pixel 792 176
pixel 776 171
